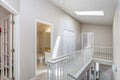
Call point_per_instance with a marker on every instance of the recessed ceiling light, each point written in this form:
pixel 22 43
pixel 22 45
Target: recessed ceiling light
pixel 90 13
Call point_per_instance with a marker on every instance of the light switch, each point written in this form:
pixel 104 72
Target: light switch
pixel 114 67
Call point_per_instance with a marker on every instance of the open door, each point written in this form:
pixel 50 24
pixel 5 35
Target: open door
pixel 87 39
pixel 7 48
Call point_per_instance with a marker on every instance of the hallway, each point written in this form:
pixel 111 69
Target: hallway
pixel 68 19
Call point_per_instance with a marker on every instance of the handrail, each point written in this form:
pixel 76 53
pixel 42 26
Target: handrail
pixel 101 52
pixel 103 47
pixel 56 61
pixel 64 56
pixel 60 67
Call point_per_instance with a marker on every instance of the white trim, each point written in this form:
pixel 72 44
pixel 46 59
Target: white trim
pixel 17 47
pixel 52 29
pixel 103 47
pixel 5 5
pixel 103 61
pixel 9 8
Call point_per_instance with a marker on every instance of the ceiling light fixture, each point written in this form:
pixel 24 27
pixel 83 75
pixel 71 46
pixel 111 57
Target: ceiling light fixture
pixel 90 13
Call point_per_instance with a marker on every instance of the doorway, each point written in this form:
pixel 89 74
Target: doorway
pixel 6 45
pixel 43 48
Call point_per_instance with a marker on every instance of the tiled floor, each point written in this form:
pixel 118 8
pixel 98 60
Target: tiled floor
pixel 41 71
pixel 42 76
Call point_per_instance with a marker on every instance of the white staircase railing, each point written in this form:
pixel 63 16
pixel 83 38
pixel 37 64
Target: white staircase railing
pixel 59 68
pixel 101 52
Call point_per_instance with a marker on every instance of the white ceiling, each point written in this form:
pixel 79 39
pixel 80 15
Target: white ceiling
pixel 69 6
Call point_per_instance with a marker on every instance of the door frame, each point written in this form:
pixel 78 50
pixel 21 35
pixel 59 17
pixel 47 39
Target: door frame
pixel 51 43
pixel 16 38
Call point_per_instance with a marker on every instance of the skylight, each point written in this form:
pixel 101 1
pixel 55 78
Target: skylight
pixel 90 13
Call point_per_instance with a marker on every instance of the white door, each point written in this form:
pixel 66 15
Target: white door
pixel 7 48
pixel 87 39
pixel 68 41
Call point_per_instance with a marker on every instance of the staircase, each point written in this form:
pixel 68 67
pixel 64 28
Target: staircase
pixel 73 65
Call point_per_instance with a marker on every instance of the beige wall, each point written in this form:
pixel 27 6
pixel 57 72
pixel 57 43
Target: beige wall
pixel 43 37
pixel 103 34
pixel 43 41
pixel 47 39
pixel 116 41
pixel 40 41
pixel 42 10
